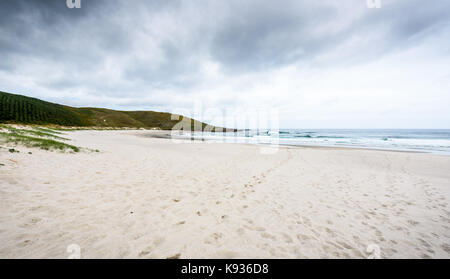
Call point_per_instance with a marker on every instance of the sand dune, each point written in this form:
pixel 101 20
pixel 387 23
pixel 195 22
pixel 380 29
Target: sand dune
pixel 146 197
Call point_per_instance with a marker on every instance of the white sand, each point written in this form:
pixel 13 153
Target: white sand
pixel 221 200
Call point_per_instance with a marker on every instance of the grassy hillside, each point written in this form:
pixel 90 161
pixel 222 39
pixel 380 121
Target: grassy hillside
pixel 21 109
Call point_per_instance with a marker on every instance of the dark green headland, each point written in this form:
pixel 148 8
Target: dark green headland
pixel 19 109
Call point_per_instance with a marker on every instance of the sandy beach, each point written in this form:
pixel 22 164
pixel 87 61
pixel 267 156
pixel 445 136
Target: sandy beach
pixel 143 197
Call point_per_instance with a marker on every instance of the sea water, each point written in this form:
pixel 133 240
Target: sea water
pixel 422 140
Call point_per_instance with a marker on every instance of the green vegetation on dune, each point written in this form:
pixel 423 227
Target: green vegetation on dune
pixel 42 143
pixel 30 132
pixel 47 130
pixel 34 137
pixel 21 109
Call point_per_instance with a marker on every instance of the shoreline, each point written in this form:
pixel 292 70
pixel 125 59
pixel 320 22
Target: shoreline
pixel 165 134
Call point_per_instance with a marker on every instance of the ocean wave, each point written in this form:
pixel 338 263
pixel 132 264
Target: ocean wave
pixel 319 137
pixel 425 140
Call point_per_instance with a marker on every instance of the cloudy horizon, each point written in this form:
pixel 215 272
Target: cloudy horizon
pixel 321 64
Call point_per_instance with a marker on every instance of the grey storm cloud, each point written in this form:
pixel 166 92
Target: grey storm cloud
pixel 117 47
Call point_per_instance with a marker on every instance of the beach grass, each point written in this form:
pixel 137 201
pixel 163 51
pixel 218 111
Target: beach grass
pixel 47 130
pixel 34 132
pixel 42 143
pixel 42 138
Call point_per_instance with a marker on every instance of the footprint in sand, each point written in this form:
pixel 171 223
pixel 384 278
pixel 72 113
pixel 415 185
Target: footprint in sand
pixel 446 248
pixel 174 257
pixel 302 237
pixel 25 243
pixel 287 238
pixel 345 245
pixel 145 252
pixel 268 235
pixel 213 238
pixel 413 223
pixel 330 232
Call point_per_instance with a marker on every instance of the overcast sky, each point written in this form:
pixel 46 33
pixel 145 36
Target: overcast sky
pixel 321 64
